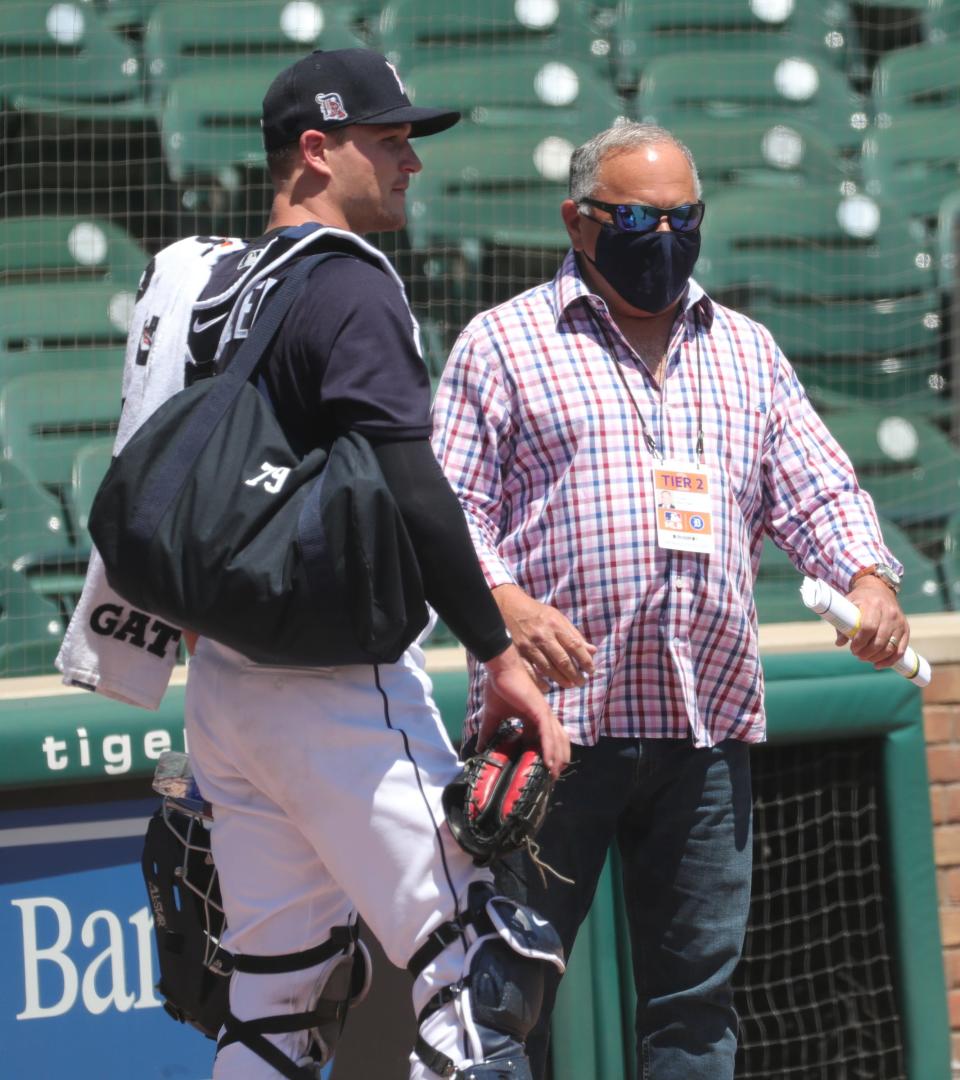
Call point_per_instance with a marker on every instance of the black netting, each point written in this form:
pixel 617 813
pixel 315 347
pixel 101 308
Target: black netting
pixel 816 988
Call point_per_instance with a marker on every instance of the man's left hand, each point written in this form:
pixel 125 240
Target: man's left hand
pixel 884 632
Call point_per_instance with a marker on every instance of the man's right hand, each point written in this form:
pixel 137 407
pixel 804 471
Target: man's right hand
pixel 509 690
pixel 552 646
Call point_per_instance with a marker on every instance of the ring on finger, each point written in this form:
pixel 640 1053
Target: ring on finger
pixel 892 642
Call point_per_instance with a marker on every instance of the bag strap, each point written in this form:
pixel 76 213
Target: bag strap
pixel 171 472
pixel 252 351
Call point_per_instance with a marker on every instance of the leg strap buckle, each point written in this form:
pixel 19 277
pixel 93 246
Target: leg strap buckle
pixel 251 1032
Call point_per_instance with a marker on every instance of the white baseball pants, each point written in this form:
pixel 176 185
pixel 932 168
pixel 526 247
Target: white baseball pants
pixel 326 787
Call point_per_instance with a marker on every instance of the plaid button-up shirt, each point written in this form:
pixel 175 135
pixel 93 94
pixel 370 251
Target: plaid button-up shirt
pixel 541 442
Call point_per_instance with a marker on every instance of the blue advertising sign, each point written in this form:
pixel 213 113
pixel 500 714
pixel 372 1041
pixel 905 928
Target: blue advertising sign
pixel 77 996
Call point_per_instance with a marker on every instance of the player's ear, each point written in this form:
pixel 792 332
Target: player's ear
pixel 314 151
pixel 572 220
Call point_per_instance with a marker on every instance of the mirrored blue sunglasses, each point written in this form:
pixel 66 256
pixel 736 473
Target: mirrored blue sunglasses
pixel 635 217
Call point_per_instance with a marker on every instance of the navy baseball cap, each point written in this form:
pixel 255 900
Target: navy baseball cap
pixel 333 89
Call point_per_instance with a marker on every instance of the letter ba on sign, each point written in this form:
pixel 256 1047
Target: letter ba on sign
pixel 61 969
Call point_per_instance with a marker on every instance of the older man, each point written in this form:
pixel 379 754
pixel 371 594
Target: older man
pixel 621 444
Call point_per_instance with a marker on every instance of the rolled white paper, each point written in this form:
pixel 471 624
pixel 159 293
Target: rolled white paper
pixel 837 610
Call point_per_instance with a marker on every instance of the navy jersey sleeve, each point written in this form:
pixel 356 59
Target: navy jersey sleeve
pixel 347 356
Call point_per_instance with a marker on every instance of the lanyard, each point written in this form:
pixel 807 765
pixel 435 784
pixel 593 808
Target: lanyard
pixel 648 438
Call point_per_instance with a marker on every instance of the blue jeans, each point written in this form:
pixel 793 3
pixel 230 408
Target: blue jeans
pixel 682 820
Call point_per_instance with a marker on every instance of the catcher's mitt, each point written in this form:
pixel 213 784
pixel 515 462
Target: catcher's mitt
pixel 499 800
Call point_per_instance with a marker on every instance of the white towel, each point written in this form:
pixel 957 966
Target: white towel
pixel 110 647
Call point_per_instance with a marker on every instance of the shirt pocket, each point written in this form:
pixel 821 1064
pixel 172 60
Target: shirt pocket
pixel 733 442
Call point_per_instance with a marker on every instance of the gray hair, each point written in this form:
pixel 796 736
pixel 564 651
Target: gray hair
pixel 624 134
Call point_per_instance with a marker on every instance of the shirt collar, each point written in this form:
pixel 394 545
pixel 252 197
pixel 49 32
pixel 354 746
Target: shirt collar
pixel 570 289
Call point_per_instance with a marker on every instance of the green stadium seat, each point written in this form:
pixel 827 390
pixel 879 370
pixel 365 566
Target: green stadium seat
pixel 777 588
pixel 922 591
pixel 31 627
pixel 517 90
pixel 60 58
pixel 913 162
pixel 941 20
pixel 495 185
pixel 910 467
pixel 720 86
pixel 90 464
pixel 413 32
pixel 902 6
pixel 128 16
pixel 950 561
pixel 210 124
pixel 89 315
pixel 64 329
pixel 484 216
pixel 34 528
pixel 53 361
pixel 520 219
pixel 808 328
pixel 948 244
pixel 31 657
pixel 762 152
pixel 44 249
pixel 815 243
pixel 46 418
pixel 213 150
pixel 921 78
pixel 44 421
pixel 948 269
pixel 867 352
pixel 651 28
pixel 478 159
pixel 504 244
pixel 841 387
pixel 835 386
pixel 197 37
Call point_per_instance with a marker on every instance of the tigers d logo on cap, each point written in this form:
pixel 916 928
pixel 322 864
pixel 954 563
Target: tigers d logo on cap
pixel 332 89
pixel 331 105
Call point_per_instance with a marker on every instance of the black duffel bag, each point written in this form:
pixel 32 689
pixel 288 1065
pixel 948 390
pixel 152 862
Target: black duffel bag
pixel 208 519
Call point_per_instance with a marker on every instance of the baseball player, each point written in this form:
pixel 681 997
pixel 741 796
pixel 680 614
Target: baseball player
pixel 326 783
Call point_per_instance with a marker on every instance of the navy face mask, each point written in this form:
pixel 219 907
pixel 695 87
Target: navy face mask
pixel 649 270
